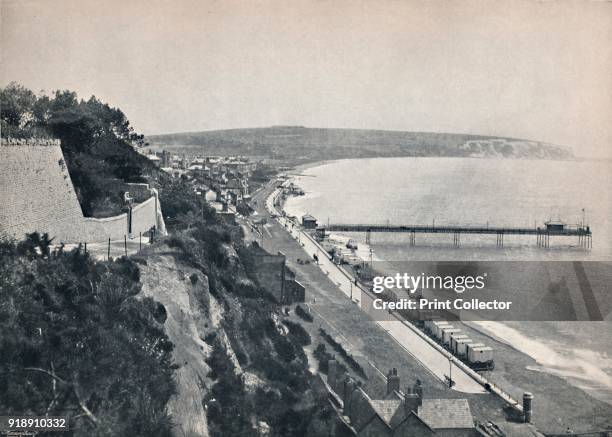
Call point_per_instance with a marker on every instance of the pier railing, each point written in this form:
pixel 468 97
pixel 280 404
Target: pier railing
pixel 427 229
pixel 543 234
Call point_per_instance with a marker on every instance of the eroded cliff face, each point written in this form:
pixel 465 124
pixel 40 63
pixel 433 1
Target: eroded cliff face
pixel 187 324
pixel 238 368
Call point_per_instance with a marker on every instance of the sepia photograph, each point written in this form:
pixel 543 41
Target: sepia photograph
pixel 318 218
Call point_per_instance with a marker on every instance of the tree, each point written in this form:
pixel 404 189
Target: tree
pixel 97 141
pixel 16 103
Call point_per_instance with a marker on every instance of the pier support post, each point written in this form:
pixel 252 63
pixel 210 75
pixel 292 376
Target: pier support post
pixel 412 238
pixel 585 241
pixel 368 236
pixel 456 239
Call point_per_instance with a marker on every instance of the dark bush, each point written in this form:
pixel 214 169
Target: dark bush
pixel 298 332
pixel 340 349
pixel 81 321
pixel 303 314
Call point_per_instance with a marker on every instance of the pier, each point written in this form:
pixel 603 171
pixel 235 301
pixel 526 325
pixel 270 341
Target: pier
pixel 543 234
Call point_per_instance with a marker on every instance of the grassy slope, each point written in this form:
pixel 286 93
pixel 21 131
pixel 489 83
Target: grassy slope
pixel 301 144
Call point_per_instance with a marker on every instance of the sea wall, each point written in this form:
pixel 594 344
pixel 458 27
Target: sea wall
pixel 37 195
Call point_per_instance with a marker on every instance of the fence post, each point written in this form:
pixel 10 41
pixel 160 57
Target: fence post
pixel 86 247
pixel 140 241
pixel 125 244
pixel 108 251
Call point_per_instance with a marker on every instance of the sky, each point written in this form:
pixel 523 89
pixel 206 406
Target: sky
pixel 524 69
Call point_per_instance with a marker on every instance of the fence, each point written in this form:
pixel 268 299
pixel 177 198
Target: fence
pixel 104 251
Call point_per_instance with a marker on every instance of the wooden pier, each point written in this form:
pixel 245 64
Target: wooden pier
pixel 542 234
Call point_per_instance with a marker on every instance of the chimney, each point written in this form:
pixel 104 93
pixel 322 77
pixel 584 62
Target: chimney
pixel 349 388
pixel 393 381
pixel 412 401
pixel 418 389
pixel 527 398
pixel 332 374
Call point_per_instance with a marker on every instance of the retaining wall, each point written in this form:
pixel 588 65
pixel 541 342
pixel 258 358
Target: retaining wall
pixel 37 195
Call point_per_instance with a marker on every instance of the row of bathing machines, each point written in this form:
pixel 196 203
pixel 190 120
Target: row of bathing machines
pixel 476 355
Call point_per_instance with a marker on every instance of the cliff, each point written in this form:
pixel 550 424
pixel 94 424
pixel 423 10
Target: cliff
pixel 297 143
pixel 238 369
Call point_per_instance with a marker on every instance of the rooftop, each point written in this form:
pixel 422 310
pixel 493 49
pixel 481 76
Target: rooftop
pixel 446 413
pixel 389 410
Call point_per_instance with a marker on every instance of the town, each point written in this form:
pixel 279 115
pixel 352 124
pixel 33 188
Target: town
pixel 223 181
pixel 305 219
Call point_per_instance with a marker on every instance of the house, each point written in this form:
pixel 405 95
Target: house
pixel 156 160
pixel 238 185
pixel 309 222
pixel 273 274
pixel 399 414
pixel 447 417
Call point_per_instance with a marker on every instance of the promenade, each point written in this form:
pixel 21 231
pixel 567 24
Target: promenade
pixel 435 360
pixel 381 344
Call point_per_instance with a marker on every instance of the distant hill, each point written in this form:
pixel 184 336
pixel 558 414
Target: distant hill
pixel 302 144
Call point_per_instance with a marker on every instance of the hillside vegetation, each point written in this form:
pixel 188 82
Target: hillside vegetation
pixel 77 340
pixel 296 144
pixel 177 340
pixel 96 141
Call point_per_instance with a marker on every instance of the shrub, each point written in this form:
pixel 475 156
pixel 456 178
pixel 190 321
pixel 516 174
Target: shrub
pixel 303 314
pixel 323 358
pixel 80 320
pixel 340 349
pixel 298 332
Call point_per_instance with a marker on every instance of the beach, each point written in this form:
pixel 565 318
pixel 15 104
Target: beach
pixel 569 374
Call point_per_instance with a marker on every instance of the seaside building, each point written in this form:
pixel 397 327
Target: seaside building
pixel 273 274
pixel 398 414
pixel 309 222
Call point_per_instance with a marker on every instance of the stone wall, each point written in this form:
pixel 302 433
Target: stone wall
pixel 36 194
pixel 270 273
pixel 273 274
pixel 294 291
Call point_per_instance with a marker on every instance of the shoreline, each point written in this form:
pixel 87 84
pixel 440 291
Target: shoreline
pixel 554 386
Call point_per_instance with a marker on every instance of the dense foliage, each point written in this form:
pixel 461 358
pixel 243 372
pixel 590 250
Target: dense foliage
pixel 75 340
pixel 182 207
pixel 298 332
pixel 97 141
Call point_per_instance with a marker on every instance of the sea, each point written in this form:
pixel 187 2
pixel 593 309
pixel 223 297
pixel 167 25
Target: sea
pixel 479 191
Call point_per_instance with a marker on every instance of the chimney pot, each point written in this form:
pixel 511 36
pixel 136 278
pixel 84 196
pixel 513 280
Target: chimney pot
pixel 393 381
pixel 527 398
